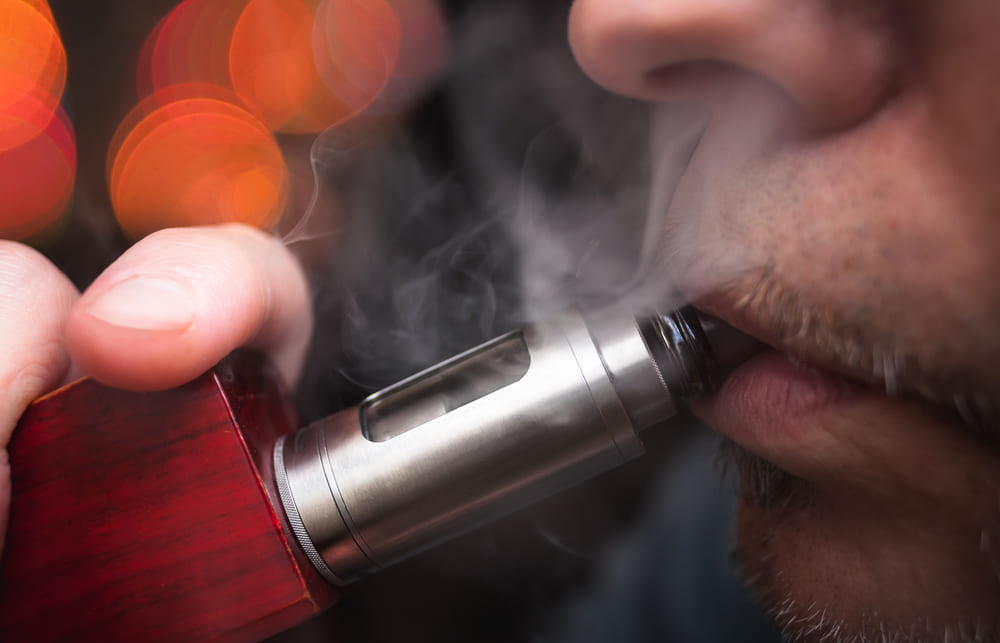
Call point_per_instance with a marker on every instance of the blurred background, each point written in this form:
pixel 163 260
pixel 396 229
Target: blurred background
pixel 446 174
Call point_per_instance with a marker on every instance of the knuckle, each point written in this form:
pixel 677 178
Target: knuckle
pixel 34 299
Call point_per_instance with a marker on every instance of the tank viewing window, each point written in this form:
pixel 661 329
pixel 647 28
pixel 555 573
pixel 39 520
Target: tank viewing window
pixel 444 388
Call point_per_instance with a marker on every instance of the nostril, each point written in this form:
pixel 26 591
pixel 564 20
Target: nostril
pixel 817 101
pixel 707 80
pixel 833 63
pixel 745 106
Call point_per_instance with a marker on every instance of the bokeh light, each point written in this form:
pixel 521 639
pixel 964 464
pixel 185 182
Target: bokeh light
pixel 37 178
pixel 37 145
pixel 423 50
pixel 189 45
pixel 306 65
pixel 356 48
pixel 32 70
pixel 254 68
pixel 299 65
pixel 272 68
pixel 193 161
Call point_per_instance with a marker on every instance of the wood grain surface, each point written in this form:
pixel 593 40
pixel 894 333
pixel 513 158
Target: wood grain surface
pixel 153 516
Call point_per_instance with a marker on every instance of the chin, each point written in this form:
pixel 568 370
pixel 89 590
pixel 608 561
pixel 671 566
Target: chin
pixel 816 579
pixel 838 557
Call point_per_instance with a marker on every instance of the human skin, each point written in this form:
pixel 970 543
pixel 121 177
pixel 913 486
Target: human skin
pixel 842 206
pixel 172 306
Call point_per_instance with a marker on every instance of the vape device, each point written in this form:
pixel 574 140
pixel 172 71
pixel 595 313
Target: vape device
pixel 491 430
pixel 196 514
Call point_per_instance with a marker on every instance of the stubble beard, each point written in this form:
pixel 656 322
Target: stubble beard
pixel 768 497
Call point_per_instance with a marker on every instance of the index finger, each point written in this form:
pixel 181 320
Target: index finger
pixel 35 299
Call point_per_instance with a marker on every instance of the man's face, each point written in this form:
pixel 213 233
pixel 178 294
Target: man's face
pixel 844 206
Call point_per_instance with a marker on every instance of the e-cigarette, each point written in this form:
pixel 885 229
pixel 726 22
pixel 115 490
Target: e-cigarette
pixel 491 430
pixel 198 514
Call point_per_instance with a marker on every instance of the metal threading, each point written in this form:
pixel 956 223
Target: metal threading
pixel 681 352
pixel 294 520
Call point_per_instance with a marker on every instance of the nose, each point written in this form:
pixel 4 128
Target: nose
pixel 832 58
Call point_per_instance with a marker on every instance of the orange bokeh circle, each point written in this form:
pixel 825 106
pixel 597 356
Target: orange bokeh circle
pixel 189 45
pixel 37 176
pixel 357 45
pixel 270 61
pixel 299 65
pixel 195 161
pixel 32 70
pixel 306 65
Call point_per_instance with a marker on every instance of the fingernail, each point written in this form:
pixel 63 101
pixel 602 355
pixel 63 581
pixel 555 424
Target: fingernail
pixel 144 303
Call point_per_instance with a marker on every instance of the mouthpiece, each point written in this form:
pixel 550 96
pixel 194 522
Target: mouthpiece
pixel 492 430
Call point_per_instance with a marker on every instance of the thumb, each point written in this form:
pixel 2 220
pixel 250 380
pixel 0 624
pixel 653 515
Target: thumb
pixel 181 299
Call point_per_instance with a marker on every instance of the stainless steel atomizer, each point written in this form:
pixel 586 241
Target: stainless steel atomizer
pixel 492 430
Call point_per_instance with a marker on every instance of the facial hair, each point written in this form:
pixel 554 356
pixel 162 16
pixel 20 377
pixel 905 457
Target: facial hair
pixel 772 492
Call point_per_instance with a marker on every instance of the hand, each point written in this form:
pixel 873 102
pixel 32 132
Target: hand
pixel 171 307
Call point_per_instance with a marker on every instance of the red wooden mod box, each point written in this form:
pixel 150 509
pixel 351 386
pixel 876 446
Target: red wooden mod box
pixel 154 516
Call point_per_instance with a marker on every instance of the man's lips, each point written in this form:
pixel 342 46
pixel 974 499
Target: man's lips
pixel 825 423
pixel 802 352
pixel 793 415
pixel 773 390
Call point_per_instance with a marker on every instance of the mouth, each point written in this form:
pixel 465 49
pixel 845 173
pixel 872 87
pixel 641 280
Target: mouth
pixel 775 386
pixel 817 359
pixel 836 466
pixel 797 375
pixel 776 398
pixel 787 397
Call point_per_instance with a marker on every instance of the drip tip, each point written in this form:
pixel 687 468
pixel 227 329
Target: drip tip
pixel 694 352
pixel 728 347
